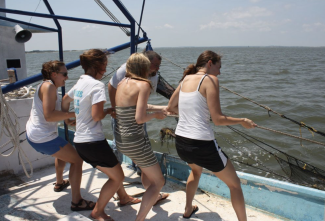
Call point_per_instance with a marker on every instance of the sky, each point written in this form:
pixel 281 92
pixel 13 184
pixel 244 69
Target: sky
pixel 183 23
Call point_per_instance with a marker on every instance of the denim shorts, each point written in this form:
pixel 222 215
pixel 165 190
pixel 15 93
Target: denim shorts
pixel 49 147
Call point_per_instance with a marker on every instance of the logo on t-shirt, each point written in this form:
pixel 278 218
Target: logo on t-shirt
pixel 77 94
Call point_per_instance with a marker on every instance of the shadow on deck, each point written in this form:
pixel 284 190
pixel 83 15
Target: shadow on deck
pixel 22 198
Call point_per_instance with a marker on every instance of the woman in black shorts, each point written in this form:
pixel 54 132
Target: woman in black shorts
pixel 88 95
pixel 195 100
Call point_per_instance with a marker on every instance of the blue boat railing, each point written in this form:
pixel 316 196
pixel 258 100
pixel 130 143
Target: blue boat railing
pixel 76 63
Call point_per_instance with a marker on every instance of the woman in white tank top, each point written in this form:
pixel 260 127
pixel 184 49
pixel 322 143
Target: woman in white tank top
pixel 195 100
pixel 42 131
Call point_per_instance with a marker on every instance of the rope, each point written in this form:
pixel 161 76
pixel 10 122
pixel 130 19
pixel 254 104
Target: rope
pixel 34 11
pixel 10 127
pixel 275 131
pixel 301 124
pixel 131 16
pixel 172 62
pixel 110 14
pixel 23 92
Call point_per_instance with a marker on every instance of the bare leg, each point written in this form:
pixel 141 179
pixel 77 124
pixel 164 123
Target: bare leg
pixel 69 154
pixel 191 187
pixel 155 180
pixel 146 183
pixel 124 197
pixel 116 177
pixel 230 178
pixel 59 167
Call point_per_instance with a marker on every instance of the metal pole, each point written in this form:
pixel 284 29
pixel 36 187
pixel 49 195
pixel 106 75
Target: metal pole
pixel 39 76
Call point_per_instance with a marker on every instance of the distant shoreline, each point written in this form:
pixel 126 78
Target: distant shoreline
pixel 271 46
pixel 41 51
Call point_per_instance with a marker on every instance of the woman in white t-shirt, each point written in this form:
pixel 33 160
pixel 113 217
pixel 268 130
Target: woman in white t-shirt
pixel 42 131
pixel 88 95
pixel 196 99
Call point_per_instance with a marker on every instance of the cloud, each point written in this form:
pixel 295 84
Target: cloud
pixel 288 20
pixel 251 12
pixel 241 25
pixel 165 26
pixel 254 1
pixel 288 6
pixel 90 27
pixel 168 26
pixel 317 26
pixel 242 19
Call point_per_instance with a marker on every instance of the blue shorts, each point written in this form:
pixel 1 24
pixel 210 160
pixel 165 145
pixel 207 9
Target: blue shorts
pixel 49 147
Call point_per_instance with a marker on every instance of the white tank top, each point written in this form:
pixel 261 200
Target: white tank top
pixel 194 115
pixel 37 128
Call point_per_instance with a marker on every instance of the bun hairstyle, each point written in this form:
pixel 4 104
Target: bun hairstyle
pixel 138 67
pixel 92 61
pixel 202 60
pixel 49 67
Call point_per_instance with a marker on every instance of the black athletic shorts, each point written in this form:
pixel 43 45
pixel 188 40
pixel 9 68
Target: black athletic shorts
pixel 97 153
pixel 204 153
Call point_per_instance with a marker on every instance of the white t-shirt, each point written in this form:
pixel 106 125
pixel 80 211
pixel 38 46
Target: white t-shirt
pixel 87 92
pixel 37 128
pixel 120 74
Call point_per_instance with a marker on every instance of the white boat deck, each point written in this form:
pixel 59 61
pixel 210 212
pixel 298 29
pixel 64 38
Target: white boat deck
pixel 22 198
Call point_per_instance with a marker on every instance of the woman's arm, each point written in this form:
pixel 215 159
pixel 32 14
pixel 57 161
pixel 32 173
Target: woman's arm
pixel 151 107
pixel 141 115
pixel 98 112
pixel 173 102
pixel 213 100
pixel 65 105
pixel 48 96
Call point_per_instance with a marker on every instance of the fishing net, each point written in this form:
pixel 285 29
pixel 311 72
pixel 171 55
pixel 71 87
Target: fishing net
pixel 164 88
pixel 297 171
pixel 302 173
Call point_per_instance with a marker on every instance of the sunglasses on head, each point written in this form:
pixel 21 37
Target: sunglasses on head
pixel 63 73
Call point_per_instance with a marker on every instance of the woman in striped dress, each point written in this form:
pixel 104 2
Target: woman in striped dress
pixel 131 113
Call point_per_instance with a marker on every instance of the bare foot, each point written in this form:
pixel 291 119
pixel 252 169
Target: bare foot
pixel 100 216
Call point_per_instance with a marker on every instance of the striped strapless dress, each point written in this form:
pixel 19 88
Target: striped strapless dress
pixel 131 139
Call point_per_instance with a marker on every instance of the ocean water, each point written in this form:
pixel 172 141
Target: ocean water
pixel 289 80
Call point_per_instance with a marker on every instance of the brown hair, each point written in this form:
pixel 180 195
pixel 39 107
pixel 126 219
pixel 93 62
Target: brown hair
pixel 49 67
pixel 93 59
pixel 201 62
pixel 151 55
pixel 138 67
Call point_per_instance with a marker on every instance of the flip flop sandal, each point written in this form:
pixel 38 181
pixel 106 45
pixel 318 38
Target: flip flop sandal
pixel 195 209
pixel 77 206
pixel 131 202
pixel 163 196
pixel 61 186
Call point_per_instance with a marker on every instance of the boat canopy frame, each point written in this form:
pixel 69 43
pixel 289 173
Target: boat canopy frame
pixel 134 40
